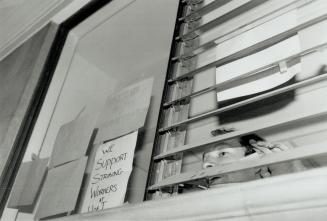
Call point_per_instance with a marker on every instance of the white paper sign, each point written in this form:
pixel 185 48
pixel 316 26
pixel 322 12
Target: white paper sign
pixel 111 170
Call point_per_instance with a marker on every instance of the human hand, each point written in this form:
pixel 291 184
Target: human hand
pixel 264 147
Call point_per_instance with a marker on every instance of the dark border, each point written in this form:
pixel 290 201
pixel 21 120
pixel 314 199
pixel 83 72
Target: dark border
pixel 40 92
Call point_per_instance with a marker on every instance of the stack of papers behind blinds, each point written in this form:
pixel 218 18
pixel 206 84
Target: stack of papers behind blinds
pixel 305 67
pixel 267 56
pixel 301 68
pixel 270 80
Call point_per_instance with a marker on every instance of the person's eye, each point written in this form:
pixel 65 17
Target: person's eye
pixel 222 154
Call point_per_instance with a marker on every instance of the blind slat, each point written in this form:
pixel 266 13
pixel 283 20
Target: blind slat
pixel 206 9
pixel 221 19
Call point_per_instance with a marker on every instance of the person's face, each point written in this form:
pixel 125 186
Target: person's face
pixel 223 153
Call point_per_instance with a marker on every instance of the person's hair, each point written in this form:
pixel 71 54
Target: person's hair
pixel 245 141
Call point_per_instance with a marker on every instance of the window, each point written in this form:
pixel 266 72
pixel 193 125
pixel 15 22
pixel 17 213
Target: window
pixel 242 72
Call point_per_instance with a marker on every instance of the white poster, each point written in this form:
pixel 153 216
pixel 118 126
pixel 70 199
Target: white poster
pixel 111 170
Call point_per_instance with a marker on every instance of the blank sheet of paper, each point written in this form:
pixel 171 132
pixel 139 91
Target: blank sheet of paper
pixel 72 140
pixel 61 188
pixel 124 111
pixel 27 183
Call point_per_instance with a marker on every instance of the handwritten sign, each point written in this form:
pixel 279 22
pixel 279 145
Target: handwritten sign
pixel 111 170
